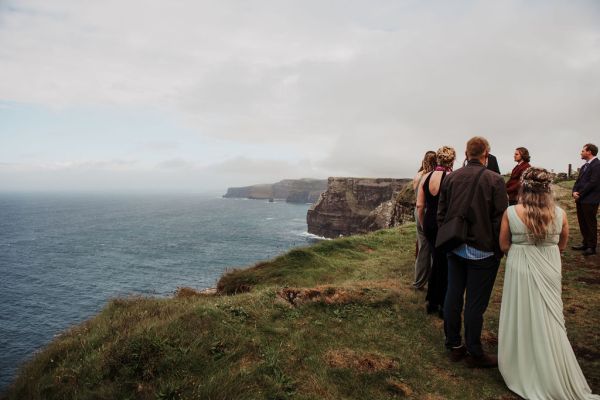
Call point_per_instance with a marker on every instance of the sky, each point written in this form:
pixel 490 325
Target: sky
pixel 198 96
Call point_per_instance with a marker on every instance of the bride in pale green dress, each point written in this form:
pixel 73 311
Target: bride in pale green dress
pixel 535 357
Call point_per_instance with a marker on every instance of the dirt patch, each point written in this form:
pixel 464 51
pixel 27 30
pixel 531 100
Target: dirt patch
pixel 363 362
pixel 398 387
pixel 327 295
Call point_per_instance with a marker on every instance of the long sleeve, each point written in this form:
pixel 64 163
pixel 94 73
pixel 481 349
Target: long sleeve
pixel 593 182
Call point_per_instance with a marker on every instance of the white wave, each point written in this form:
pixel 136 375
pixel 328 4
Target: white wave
pixel 312 236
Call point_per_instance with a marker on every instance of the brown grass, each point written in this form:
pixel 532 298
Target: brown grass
pixel 362 362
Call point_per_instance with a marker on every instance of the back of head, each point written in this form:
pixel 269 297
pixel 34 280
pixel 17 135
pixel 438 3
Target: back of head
pixel 445 156
pixel 429 162
pixel 536 197
pixel 477 147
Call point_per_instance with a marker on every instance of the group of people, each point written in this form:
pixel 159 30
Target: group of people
pixel 467 220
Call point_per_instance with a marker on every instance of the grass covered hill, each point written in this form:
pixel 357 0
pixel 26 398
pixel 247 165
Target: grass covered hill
pixel 336 320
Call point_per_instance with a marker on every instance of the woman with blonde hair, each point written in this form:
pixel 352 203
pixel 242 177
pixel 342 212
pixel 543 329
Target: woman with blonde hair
pixel 427 205
pixel 423 259
pixel 535 357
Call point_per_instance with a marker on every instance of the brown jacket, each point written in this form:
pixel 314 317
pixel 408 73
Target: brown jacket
pixel 489 202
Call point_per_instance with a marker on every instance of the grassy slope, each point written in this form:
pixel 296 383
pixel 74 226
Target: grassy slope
pixel 336 320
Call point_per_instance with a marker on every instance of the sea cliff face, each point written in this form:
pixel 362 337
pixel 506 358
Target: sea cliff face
pixel 292 190
pixel 360 205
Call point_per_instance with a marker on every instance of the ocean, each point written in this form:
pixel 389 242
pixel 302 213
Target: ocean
pixel 63 256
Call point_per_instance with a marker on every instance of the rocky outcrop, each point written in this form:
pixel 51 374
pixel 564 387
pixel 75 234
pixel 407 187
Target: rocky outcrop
pixel 360 205
pixel 290 190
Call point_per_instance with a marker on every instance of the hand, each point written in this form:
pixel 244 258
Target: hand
pixel 576 195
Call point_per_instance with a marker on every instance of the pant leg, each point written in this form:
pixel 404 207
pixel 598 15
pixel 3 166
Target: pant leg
pixel 438 280
pixel 453 304
pixel 481 275
pixel 423 261
pixel 583 224
pixel 589 212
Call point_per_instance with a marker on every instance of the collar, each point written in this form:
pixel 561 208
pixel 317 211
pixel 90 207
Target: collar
pixel 591 159
pixel 474 161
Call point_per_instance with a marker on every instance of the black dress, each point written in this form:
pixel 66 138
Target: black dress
pixel 438 279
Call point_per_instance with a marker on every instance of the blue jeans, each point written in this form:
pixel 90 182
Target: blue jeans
pixel 477 278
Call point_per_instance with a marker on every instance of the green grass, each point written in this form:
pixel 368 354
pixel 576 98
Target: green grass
pixel 336 320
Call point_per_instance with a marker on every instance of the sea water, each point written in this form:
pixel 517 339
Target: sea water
pixel 63 256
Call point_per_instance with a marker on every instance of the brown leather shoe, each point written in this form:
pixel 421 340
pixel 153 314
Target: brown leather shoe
pixel 457 353
pixel 484 361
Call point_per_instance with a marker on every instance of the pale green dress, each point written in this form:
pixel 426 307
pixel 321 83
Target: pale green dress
pixel 534 354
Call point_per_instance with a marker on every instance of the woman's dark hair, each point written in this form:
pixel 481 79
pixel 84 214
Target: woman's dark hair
pixel 429 162
pixel 524 153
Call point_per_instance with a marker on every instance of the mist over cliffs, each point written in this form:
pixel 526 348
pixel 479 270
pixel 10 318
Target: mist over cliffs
pixel 305 190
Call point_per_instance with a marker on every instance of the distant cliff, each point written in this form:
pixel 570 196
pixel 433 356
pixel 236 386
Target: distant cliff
pixel 291 190
pixel 360 205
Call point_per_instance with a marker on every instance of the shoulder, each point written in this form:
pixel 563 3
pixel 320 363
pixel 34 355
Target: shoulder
pixel 493 177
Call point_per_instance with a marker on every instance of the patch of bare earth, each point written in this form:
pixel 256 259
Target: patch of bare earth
pixel 362 362
pixel 399 387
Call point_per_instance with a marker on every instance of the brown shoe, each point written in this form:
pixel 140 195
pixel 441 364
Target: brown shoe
pixel 484 361
pixel 457 353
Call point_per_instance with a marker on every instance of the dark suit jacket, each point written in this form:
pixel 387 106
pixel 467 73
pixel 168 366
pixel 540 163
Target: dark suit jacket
pixel 493 164
pixel 514 183
pixel 489 202
pixel 588 184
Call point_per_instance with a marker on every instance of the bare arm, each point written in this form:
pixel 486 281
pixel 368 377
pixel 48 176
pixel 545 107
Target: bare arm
pixel 416 180
pixel 505 236
pixel 421 203
pixel 564 233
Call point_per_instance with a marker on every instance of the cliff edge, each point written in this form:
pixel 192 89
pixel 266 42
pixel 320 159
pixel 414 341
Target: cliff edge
pixel 360 205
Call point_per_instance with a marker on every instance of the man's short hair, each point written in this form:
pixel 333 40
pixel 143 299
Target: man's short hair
pixel 591 148
pixel 477 146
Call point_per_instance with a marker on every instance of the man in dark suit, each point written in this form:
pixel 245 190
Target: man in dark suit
pixel 492 163
pixel 586 193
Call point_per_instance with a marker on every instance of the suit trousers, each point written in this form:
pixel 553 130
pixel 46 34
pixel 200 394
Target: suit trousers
pixel 588 223
pixel 477 278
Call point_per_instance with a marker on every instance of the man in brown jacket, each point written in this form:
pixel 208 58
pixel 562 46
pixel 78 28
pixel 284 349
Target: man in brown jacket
pixel 473 265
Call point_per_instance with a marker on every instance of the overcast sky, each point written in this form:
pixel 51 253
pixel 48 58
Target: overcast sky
pixel 197 95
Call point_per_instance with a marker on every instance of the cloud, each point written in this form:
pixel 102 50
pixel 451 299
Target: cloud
pixel 361 89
